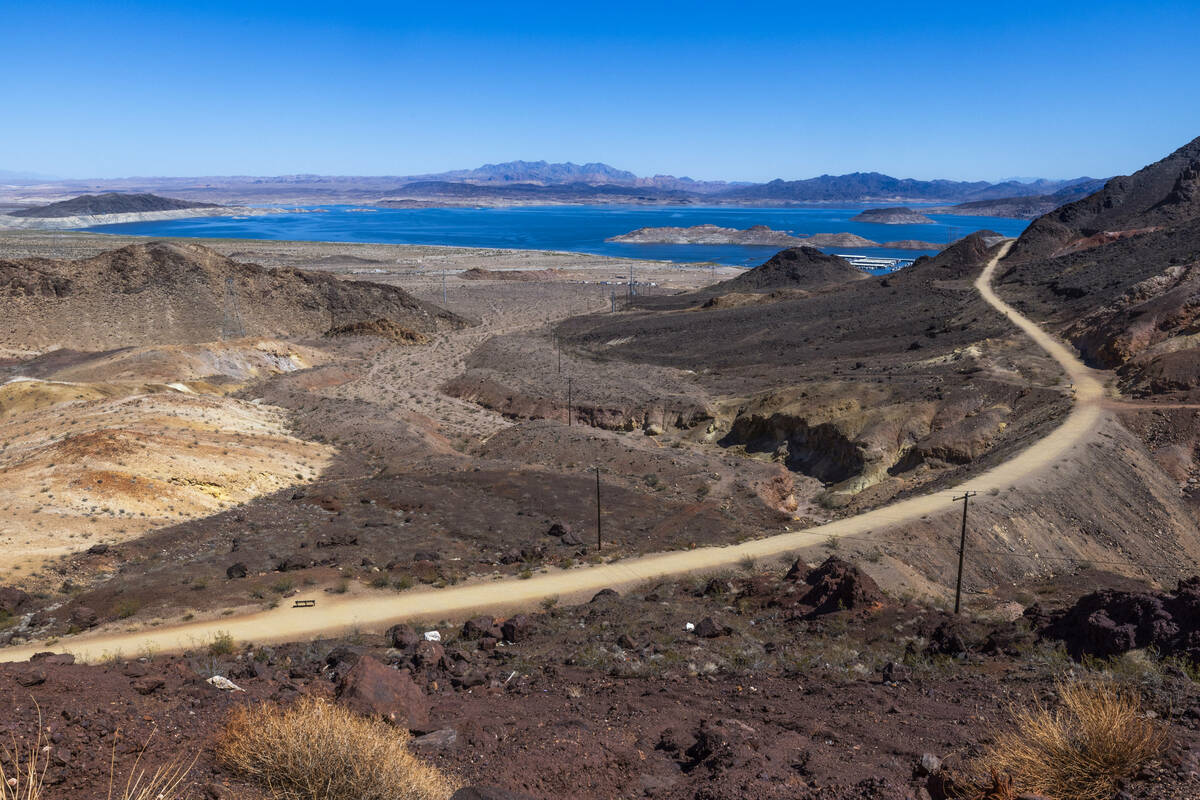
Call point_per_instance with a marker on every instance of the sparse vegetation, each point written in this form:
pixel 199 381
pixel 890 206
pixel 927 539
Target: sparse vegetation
pixel 1098 735
pixel 222 644
pixel 313 750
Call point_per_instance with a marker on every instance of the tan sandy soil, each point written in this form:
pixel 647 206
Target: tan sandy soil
pixel 90 453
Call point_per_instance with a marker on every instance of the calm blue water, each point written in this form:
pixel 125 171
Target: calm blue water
pixel 573 228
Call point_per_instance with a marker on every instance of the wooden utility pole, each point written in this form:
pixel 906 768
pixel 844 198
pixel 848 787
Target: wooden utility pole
pixel 599 543
pixel 568 402
pixel 559 351
pixel 443 286
pixel 962 547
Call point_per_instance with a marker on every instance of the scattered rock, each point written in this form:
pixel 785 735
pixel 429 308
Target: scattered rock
pixel 30 676
pixel 374 689
pixel 83 617
pixel 437 740
pixel 896 673
pixel 927 765
pixel 148 685
pixel 479 627
pixel 52 659
pixel 517 629
pixel 708 628
pixel 403 637
pixel 97 550
pixel 604 594
pixel 235 571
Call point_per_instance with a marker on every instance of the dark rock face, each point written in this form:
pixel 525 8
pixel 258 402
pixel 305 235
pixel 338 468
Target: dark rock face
pixel 377 690
pixel 1109 622
pixel 840 586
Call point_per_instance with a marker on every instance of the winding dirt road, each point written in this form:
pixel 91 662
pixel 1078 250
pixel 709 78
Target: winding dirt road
pixel 338 614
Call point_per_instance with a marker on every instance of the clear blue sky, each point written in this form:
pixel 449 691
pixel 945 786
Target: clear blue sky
pixel 742 91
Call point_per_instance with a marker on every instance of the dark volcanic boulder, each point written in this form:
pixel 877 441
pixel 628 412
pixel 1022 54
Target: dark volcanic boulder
pixel 708 628
pixel 403 637
pixel 377 690
pixel 235 571
pixel 838 585
pixel 479 627
pixel 1109 622
pixel 83 617
pixel 517 629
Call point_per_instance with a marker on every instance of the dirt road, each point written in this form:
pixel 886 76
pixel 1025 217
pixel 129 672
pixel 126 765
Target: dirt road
pixel 337 614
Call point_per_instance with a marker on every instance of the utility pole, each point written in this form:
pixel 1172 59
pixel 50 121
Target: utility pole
pixel 962 546
pixel 557 350
pixel 614 301
pixel 568 402
pixel 599 543
pixel 443 286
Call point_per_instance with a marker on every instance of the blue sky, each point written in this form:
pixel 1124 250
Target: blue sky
pixel 740 91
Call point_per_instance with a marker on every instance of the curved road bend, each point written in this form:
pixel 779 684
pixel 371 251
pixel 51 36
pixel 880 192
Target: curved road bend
pixel 338 614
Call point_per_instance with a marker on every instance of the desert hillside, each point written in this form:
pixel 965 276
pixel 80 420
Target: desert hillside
pixel 177 293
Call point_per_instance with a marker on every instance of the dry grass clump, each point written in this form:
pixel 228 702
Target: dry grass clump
pixel 1098 734
pixel 23 775
pixel 314 750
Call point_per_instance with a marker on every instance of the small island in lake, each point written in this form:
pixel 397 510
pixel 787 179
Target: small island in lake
pixel 758 235
pixel 899 215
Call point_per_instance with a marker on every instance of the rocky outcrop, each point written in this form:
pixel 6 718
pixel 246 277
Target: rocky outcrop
pixel 1162 194
pixel 794 268
pixel 1110 622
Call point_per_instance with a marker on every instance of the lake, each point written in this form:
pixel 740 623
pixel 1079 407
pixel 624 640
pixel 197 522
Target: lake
pixel 580 229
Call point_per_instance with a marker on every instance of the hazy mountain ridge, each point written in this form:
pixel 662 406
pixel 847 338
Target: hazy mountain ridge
pixel 532 181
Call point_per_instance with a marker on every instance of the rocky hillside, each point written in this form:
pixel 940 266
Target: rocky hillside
pixel 1120 271
pixel 1162 194
pixel 108 203
pixel 795 268
pixel 161 293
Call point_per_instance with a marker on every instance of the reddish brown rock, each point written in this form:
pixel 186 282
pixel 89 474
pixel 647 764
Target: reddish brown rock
pixel 376 690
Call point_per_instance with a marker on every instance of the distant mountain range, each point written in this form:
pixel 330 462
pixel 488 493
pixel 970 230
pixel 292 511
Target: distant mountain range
pixel 529 182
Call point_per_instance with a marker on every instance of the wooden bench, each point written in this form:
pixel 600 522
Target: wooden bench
pixel 304 604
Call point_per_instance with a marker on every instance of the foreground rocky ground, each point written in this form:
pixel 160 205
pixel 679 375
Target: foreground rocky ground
pixel 784 682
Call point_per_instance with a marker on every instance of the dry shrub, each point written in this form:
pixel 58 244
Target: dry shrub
pixel 1097 735
pixel 314 750
pixel 22 776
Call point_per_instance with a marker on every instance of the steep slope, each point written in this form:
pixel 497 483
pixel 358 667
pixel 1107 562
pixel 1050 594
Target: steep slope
pixel 1119 271
pixel 108 203
pixel 161 293
pixel 1162 194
